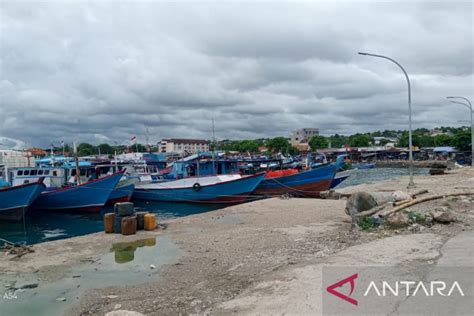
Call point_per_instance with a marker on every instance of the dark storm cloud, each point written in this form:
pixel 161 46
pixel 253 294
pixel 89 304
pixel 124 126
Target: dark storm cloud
pixel 103 71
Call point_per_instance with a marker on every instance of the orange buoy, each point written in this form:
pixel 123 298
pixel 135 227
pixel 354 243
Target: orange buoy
pixel 109 222
pixel 129 225
pixel 149 222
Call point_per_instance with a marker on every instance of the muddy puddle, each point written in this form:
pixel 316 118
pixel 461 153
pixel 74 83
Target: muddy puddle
pixel 126 263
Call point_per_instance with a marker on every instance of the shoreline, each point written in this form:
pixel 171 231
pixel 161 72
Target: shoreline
pixel 232 255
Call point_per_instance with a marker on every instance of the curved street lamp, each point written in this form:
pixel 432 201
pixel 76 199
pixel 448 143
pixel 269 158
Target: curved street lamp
pixel 411 184
pixel 469 106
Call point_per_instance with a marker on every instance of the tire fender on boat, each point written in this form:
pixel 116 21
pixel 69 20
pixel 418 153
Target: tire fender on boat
pixel 196 186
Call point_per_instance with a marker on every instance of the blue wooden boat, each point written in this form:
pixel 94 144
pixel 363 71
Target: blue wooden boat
pixel 14 201
pixel 340 177
pixel 220 189
pixel 121 194
pixel 307 183
pixel 87 197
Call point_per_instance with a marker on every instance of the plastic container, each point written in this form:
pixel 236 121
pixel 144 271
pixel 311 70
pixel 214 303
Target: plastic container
pixel 109 222
pixel 118 224
pixel 149 221
pixel 140 220
pixel 124 209
pixel 129 225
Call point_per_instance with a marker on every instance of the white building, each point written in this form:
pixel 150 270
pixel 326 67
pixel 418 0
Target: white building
pixel 16 158
pixel 303 135
pixel 179 145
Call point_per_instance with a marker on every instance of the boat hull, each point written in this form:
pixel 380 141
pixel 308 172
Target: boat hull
pixel 87 197
pixel 14 201
pixel 233 191
pixel 121 194
pixel 339 178
pixel 306 184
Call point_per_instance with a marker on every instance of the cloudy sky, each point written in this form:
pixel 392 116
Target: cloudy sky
pixel 102 71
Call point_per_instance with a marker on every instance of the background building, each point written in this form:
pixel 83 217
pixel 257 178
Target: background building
pixel 16 158
pixel 303 135
pixel 179 145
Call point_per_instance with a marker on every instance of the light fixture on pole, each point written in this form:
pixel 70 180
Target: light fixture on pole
pixel 411 184
pixel 469 106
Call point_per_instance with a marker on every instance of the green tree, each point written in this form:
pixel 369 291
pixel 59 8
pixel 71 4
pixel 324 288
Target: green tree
pixel 443 140
pixel 318 142
pixel 338 141
pixel 278 144
pixel 403 141
pixel 426 141
pixel 359 140
pixel 140 147
pixel 105 149
pixel 85 149
pixel 462 140
pixel 248 146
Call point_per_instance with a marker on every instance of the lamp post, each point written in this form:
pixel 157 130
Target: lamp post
pixel 411 184
pixel 469 106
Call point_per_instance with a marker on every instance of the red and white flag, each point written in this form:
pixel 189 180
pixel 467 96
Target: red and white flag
pixel 133 139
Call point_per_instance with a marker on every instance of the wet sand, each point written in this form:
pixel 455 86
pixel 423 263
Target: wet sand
pixel 259 257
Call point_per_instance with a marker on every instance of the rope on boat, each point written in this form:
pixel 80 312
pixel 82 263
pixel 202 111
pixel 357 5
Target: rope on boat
pixel 17 249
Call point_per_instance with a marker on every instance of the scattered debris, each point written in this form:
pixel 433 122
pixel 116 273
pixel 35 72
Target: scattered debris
pixel 61 299
pixel 123 313
pixel 28 286
pixel 398 219
pixel 401 196
pixel 443 215
pixel 436 171
pixel 18 250
pixel 152 266
pixel 417 201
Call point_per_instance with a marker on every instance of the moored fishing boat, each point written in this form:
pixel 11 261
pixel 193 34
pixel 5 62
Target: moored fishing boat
pixel 340 177
pixel 307 183
pixel 88 197
pixel 14 201
pixel 122 193
pixel 220 189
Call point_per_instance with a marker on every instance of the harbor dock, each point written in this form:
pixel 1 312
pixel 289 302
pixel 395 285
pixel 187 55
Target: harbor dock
pixel 260 257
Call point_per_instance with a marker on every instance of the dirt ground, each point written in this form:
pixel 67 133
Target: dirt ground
pixel 259 257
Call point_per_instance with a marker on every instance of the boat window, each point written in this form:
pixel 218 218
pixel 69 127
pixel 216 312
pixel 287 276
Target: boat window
pixel 46 172
pixel 26 181
pixel 19 173
pixel 40 172
pixel 33 172
pixel 26 172
pixel 55 173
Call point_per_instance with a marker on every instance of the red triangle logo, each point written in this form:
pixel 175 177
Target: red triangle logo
pixel 332 289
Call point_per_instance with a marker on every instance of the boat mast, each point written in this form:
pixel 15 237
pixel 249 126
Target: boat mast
pixel 213 145
pixel 76 160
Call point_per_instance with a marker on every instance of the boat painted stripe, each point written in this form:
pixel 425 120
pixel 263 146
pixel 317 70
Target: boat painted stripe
pixel 69 207
pixel 84 184
pixel 14 207
pixel 145 187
